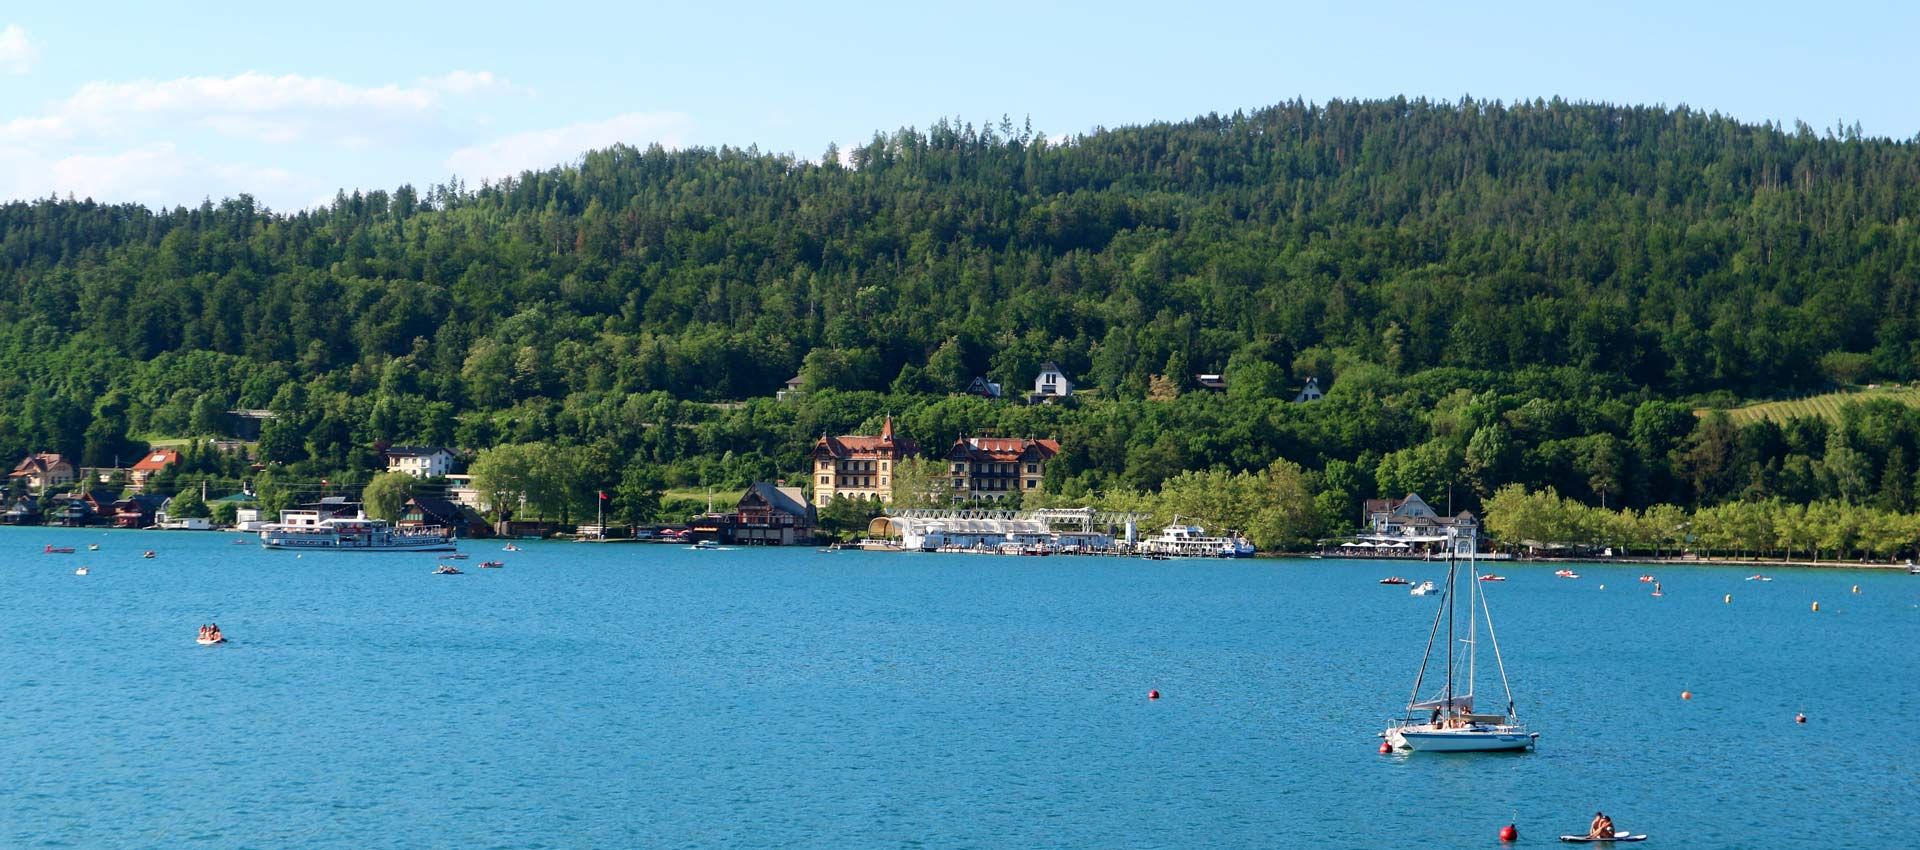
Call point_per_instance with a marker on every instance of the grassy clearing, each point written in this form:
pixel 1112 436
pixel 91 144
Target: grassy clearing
pixel 723 500
pixel 1825 405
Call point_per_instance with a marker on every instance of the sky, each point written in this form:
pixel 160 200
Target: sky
pixel 173 103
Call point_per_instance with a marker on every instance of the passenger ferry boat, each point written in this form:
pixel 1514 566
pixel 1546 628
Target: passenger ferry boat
pixel 360 533
pixel 1191 541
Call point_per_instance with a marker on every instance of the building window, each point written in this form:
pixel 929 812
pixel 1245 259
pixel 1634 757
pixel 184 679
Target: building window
pixel 826 479
pixel 1032 484
pixel 1033 468
pixel 883 481
pixel 957 485
pixel 883 466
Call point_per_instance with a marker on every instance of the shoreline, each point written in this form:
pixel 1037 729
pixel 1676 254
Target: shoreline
pixel 1648 560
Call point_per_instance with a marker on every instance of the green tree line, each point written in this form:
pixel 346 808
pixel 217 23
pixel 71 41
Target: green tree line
pixel 1537 292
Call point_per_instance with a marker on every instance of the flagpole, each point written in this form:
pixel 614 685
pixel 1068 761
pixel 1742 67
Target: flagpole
pixel 600 513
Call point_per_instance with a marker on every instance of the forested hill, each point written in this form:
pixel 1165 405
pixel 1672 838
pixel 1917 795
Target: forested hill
pixel 1652 253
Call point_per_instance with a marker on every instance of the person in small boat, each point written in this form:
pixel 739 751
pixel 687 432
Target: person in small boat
pixel 1602 826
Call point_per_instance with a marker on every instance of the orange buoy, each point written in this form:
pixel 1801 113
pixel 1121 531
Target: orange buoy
pixel 1686 695
pixel 1153 695
pixel 1385 748
pixel 1800 718
pixel 1509 833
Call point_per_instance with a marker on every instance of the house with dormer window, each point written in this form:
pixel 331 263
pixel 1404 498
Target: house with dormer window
pixel 1051 384
pixel 859 467
pixel 994 467
pixel 41 471
pixel 152 462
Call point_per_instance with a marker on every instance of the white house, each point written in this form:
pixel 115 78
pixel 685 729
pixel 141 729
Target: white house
pixel 1050 384
pixel 461 491
pixel 420 461
pixel 793 386
pixel 1311 392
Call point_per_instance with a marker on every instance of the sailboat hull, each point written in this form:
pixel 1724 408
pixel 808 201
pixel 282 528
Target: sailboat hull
pixel 1462 740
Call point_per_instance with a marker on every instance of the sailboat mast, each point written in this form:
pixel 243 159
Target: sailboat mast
pixel 1473 624
pixel 1449 606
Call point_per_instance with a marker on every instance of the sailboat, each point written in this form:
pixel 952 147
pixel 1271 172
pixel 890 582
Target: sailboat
pixel 1445 721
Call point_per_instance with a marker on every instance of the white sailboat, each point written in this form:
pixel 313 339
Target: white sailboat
pixel 1445 721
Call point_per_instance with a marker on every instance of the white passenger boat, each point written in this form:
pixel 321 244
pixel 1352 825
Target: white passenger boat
pixel 1191 541
pixel 1445 721
pixel 360 533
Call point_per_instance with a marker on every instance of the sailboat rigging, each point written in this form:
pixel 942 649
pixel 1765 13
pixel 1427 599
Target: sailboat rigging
pixel 1449 723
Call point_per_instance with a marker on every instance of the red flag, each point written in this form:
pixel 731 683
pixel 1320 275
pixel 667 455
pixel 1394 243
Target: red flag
pixel 603 495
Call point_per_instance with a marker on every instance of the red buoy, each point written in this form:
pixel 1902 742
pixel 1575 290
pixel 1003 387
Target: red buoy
pixel 1509 833
pixel 1385 748
pixel 1153 695
pixel 1686 695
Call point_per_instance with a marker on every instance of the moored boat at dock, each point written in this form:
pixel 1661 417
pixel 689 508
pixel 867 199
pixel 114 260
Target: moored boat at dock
pixel 308 530
pixel 1191 541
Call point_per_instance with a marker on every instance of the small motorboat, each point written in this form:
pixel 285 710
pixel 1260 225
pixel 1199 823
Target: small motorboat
pixel 80 572
pixel 456 556
pixel 706 544
pixel 1492 577
pixel 1759 577
pixel 1566 573
pixel 447 570
pixel 148 555
pixel 1394 580
pixel 209 641
pixel 492 565
pixel 1426 588
pixel 241 542
pixel 58 550
pixel 509 548
pixel 93 547
pixel 1646 579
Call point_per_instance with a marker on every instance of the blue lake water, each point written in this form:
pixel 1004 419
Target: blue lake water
pixel 631 695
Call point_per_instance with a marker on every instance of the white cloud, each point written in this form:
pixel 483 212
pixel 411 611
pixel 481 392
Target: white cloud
pixel 17 53
pixel 158 174
pixel 178 140
pixel 464 82
pixel 539 149
pixel 256 107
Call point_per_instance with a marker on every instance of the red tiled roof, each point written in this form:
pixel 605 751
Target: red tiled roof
pixel 157 460
pixel 1002 449
pixel 885 444
pixel 852 445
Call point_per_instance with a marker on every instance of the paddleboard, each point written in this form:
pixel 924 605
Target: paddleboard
pixel 1581 839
